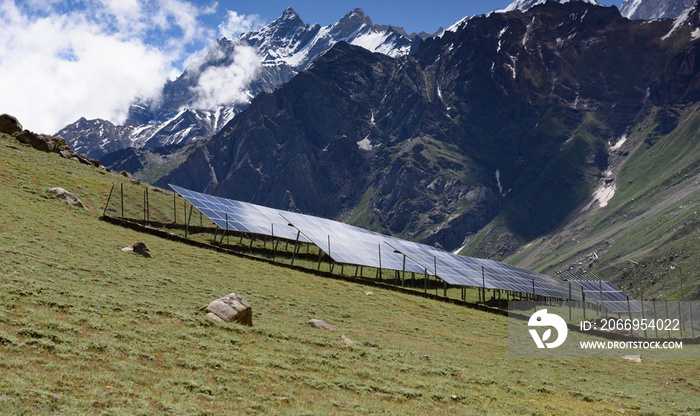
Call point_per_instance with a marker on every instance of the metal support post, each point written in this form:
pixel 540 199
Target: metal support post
pixel 104 213
pixel 296 243
pixel 187 226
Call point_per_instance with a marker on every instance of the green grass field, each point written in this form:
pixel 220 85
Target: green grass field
pixel 88 329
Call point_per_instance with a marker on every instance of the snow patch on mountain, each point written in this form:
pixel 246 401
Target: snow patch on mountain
pixel 602 196
pixel 456 26
pixel 365 144
pixel 619 143
pixel 654 9
pixel 524 5
pixel 680 21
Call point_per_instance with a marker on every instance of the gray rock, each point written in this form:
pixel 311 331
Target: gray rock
pixel 318 323
pixel 9 124
pixel 214 317
pixel 232 307
pixel 140 248
pixel 37 141
pixel 67 197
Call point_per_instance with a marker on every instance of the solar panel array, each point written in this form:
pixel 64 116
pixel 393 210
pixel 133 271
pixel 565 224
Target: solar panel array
pixel 349 244
pixel 354 245
pixel 469 271
pixel 614 299
pixel 240 216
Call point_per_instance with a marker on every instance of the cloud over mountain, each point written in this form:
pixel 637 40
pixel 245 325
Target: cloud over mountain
pixel 226 85
pixel 59 62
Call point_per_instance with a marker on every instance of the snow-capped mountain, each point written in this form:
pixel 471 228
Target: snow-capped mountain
pixel 288 41
pixel 524 5
pixel 654 9
pixel 195 105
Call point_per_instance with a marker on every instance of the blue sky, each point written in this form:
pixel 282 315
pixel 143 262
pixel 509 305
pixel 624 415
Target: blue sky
pixel 412 15
pixel 65 59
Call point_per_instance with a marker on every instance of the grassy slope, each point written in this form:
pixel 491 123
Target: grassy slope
pixel 653 217
pixel 87 329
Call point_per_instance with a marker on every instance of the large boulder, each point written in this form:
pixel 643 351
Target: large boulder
pixel 230 308
pixel 38 141
pixel 9 124
pixel 67 197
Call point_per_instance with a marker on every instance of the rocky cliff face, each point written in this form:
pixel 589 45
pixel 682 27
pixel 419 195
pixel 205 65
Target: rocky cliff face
pixel 507 118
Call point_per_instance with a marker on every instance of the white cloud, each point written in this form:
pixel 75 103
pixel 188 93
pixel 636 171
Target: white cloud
pixel 221 85
pixel 235 24
pixel 57 65
pixel 127 8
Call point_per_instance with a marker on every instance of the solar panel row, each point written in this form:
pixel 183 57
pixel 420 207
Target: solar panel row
pixel 354 245
pixel 468 271
pixel 349 244
pixel 240 216
pixel 614 299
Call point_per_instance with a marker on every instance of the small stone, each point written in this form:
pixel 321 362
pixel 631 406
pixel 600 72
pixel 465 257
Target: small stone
pixel 347 340
pixel 140 248
pixel 317 323
pixel 635 358
pixel 425 357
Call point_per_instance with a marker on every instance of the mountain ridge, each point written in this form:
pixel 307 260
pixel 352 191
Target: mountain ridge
pixel 417 137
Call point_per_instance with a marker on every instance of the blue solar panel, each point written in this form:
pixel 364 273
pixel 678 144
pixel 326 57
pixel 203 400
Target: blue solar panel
pixel 468 271
pixel 614 299
pixel 240 216
pixel 349 244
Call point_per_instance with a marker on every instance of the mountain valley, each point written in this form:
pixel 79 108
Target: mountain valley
pixel 504 137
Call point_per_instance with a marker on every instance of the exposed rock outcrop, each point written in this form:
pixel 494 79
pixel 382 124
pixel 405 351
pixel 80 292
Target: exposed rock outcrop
pixel 50 144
